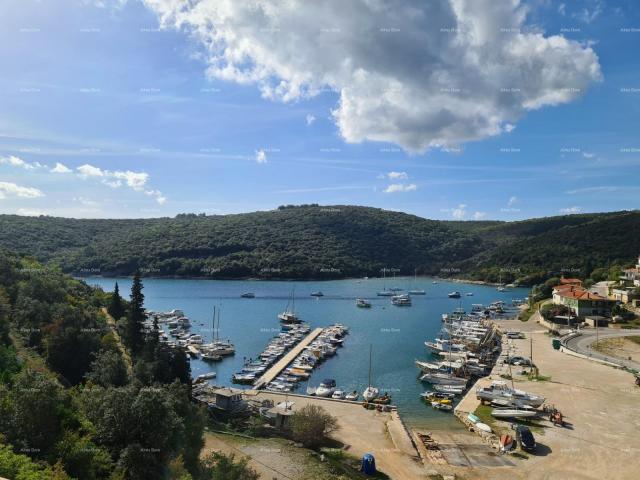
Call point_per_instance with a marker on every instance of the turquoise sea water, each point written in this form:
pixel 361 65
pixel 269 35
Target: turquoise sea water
pixel 396 334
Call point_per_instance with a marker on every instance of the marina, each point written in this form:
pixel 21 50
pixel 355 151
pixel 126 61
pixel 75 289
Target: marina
pixel 252 323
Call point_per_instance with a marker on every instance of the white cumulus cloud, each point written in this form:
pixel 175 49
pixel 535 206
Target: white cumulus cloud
pixel 460 212
pixel 137 181
pixel 400 187
pixel 60 168
pixel 570 210
pixel 261 156
pixel 310 119
pixel 479 215
pixel 9 189
pixel 14 161
pixel 418 74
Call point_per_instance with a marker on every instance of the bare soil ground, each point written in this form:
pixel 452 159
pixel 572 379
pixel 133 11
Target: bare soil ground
pixel 623 348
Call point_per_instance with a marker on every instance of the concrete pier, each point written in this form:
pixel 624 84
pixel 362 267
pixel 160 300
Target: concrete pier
pixel 281 364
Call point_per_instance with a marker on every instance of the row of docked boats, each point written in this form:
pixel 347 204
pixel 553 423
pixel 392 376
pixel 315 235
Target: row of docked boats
pixel 509 402
pixel 278 346
pixel 371 394
pixel 462 352
pixel 322 347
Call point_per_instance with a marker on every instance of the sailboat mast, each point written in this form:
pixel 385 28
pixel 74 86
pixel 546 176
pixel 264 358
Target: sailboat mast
pixel 370 352
pixel 213 326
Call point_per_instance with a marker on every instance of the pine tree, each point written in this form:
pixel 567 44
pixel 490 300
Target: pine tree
pixel 135 318
pixel 116 306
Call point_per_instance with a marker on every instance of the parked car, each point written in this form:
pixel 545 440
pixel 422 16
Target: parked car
pixel 525 438
pixel 521 361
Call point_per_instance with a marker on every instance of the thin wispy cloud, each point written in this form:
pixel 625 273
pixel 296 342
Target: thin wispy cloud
pixel 324 189
pixel 398 176
pixel 310 119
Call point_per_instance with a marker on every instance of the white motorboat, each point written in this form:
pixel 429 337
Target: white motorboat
pixel 500 390
pixel 326 388
pixel 311 390
pixel 454 295
pixel 401 300
pixel 338 395
pixel 443 379
pixel 513 413
pixel 456 390
pixel 353 396
pixel 248 295
pixel 207 376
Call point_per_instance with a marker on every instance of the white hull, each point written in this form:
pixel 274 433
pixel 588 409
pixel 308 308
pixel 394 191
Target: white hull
pixel 371 393
pixel 513 413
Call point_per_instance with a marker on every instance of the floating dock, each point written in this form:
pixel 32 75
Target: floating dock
pixel 290 356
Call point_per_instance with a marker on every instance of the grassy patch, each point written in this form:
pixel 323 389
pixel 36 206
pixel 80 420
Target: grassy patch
pixel 525 315
pixel 483 412
pixel 635 339
pixel 345 465
pixel 539 378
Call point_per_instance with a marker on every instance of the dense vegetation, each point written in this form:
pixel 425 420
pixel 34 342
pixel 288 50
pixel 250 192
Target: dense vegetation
pixel 75 403
pixel 328 242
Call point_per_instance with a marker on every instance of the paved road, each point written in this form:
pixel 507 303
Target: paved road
pixel 583 344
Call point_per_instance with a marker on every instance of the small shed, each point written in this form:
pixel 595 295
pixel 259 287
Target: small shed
pixel 226 399
pixel 281 417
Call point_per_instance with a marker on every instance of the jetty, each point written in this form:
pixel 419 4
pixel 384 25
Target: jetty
pixel 281 364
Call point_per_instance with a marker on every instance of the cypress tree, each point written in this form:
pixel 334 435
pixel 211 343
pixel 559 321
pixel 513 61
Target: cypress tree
pixel 116 306
pixel 135 317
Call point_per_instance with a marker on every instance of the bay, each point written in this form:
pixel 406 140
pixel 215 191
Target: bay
pixel 396 334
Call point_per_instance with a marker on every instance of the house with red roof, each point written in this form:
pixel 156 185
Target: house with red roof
pixel 582 302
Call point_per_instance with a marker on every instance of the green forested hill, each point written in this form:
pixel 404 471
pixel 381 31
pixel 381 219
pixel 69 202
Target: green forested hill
pixel 325 242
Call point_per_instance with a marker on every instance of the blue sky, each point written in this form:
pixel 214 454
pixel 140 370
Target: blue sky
pixel 107 113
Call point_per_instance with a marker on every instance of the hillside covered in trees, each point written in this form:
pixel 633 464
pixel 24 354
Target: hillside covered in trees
pixel 86 396
pixel 327 242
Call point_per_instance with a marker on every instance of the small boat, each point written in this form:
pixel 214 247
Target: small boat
pixel 513 413
pixel 483 426
pixel 353 396
pixel 454 295
pixel 248 295
pixel 473 418
pixel 362 303
pixel 317 294
pixel 456 390
pixel 469 294
pixel 289 315
pixel 416 291
pixel 401 300
pixel 386 293
pixel 326 388
pixel 211 357
pixel 207 376
pixel 370 393
pixel 311 391
pixel 382 400
pixel 434 282
pixel 338 395
pixel 441 406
